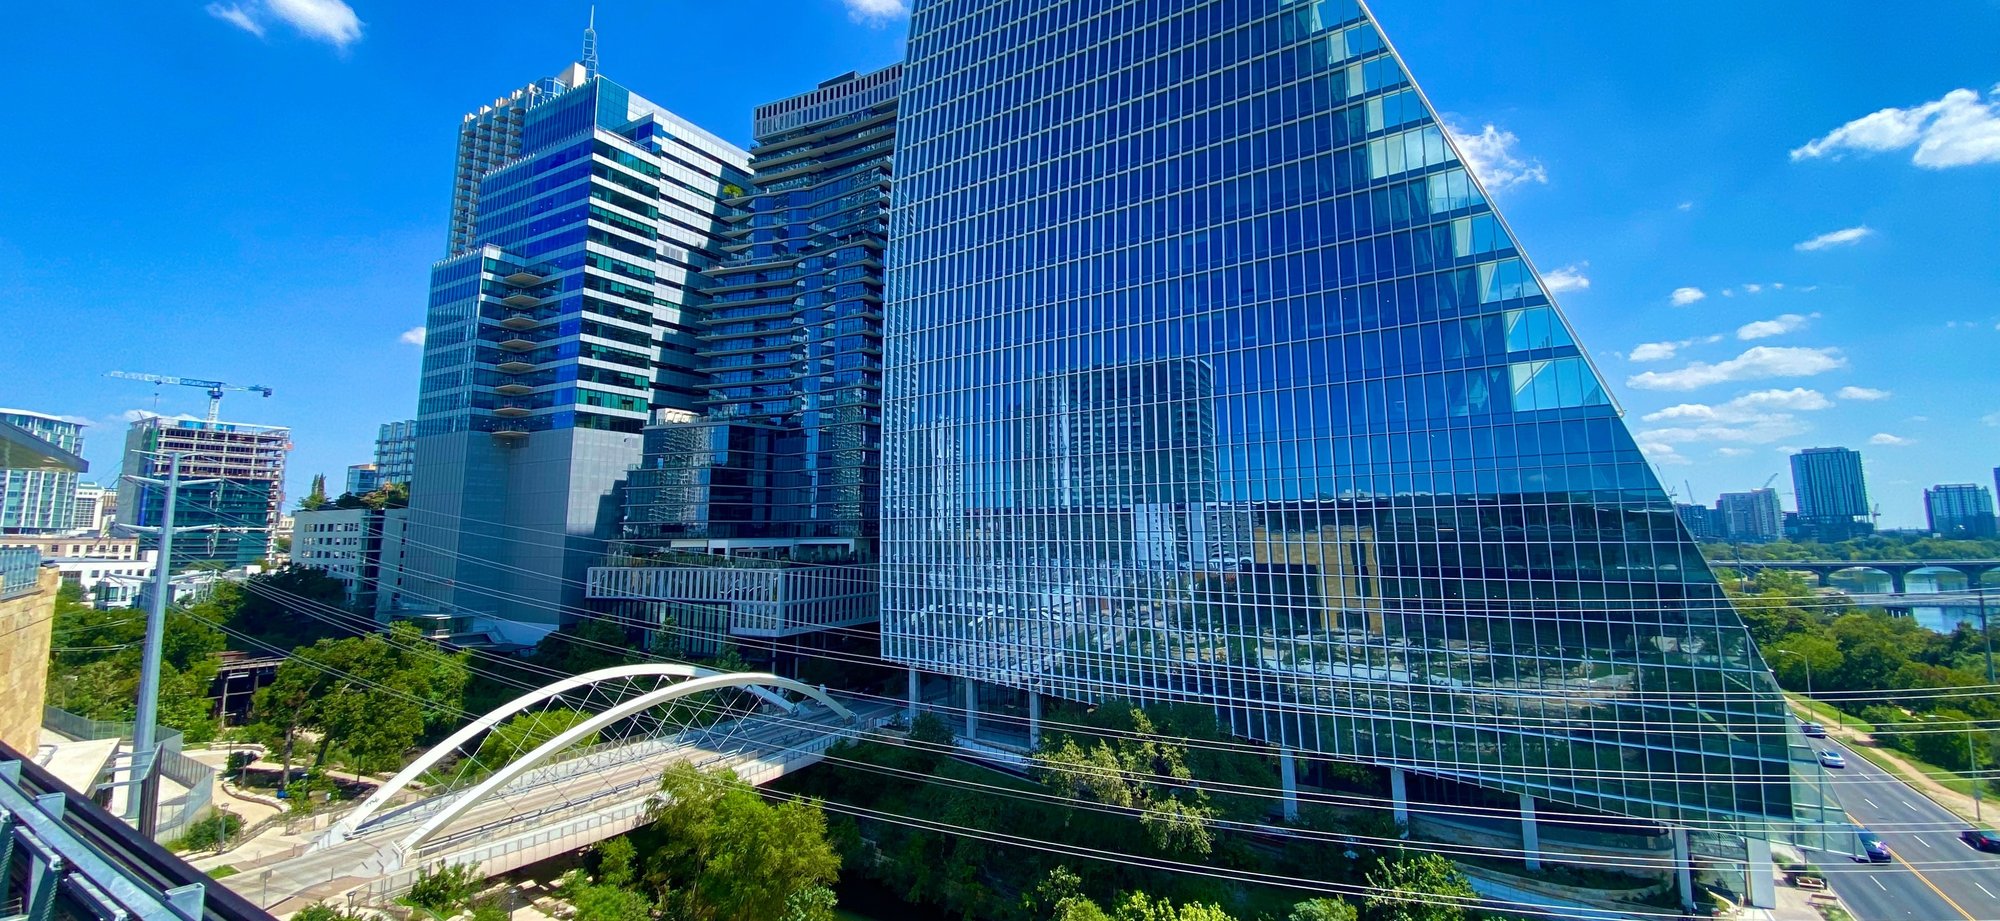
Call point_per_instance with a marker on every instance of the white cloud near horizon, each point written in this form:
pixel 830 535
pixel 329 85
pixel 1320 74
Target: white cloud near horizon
pixel 1862 393
pixel 1749 407
pixel 1957 129
pixel 1685 296
pixel 330 21
pixel 1491 156
pixel 1884 438
pixel 1844 237
pixel 1568 278
pixel 876 12
pixel 1664 454
pixel 1756 363
pixel 1665 351
pixel 1776 326
pixel 412 336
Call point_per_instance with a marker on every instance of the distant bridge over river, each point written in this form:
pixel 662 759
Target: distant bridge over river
pixel 1976 574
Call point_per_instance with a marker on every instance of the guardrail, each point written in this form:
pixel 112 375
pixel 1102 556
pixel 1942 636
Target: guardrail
pixel 175 813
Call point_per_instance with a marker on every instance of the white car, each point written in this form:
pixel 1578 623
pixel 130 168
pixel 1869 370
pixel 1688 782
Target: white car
pixel 1832 759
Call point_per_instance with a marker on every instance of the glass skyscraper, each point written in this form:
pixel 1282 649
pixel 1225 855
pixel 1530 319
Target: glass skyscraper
pixel 1213 375
pixel 1831 492
pixel 561 324
pixel 41 501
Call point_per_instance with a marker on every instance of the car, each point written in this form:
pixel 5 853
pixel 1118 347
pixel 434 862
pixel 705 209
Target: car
pixel 1813 730
pixel 1832 759
pixel 1872 847
pixel 1985 839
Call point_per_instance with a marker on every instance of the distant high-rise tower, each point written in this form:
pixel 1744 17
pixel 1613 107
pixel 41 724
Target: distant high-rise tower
pixel 241 504
pixel 1831 492
pixel 1959 510
pixel 1256 402
pixel 563 322
pixel 487 138
pixel 396 452
pixel 41 501
pixel 1753 517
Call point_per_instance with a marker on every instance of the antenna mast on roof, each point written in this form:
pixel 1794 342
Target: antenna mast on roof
pixel 590 46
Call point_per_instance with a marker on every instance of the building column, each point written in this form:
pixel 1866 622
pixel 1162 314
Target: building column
pixel 1288 772
pixel 1399 798
pixel 1034 719
pixel 971 708
pixel 1758 885
pixel 916 685
pixel 1531 837
pixel 1684 868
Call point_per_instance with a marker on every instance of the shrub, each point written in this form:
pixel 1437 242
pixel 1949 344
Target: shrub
pixel 444 889
pixel 210 834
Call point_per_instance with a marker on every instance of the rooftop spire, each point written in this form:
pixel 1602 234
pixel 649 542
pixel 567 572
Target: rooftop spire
pixel 590 45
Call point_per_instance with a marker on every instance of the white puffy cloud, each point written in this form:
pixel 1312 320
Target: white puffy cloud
pixel 412 336
pixel 1664 454
pixel 1491 156
pixel 1733 452
pixel 1756 363
pixel 1959 129
pixel 1884 438
pixel 1991 419
pixel 1567 278
pixel 1663 351
pixel 236 16
pixel 1746 408
pixel 1685 296
pixel 330 21
pixel 1844 237
pixel 1776 326
pixel 876 12
pixel 1862 393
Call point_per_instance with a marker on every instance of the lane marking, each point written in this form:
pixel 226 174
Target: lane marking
pixel 1989 892
pixel 1933 887
pixel 1878 883
pixel 1921 841
pixel 1870 802
pixel 1907 804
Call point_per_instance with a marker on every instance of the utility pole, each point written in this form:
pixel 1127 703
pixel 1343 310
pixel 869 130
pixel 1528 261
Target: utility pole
pixel 145 727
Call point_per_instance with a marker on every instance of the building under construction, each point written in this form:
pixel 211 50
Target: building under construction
pixel 234 476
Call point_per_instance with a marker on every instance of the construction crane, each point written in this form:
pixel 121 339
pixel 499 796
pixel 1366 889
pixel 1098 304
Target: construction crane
pixel 215 388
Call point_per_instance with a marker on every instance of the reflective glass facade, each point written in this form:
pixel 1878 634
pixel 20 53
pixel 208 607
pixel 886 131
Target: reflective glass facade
pixel 41 501
pixel 1213 375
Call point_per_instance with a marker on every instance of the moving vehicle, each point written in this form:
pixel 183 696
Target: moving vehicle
pixel 1812 730
pixel 1832 759
pixel 1985 839
pixel 1872 848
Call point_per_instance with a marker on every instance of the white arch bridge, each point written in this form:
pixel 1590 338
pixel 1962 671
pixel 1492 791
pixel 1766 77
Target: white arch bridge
pixel 556 769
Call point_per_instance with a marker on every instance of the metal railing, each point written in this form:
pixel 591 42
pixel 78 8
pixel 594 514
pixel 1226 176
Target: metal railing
pixel 175 813
pixel 20 571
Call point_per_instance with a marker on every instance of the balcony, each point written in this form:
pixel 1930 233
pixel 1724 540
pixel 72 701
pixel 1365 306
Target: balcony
pixel 517 344
pixel 513 390
pixel 522 278
pixel 521 321
pixel 521 299
pixel 510 433
pixel 512 409
pixel 514 367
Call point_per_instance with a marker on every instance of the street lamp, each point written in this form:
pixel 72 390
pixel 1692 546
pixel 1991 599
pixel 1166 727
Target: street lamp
pixel 1808 662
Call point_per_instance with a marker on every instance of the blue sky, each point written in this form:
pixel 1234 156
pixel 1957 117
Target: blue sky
pixel 1777 224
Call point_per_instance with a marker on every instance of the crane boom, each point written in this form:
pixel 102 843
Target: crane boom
pixel 215 388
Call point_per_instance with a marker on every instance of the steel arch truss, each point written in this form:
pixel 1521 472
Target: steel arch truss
pixel 694 681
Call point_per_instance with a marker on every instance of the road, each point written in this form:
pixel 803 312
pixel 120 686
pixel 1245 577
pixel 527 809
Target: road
pixel 1935 876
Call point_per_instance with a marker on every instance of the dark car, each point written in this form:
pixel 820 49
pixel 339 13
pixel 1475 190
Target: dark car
pixel 1813 730
pixel 1985 839
pixel 1872 847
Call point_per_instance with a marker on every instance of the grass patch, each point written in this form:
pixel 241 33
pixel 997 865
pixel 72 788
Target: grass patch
pixel 221 871
pixel 1824 713
pixel 1950 780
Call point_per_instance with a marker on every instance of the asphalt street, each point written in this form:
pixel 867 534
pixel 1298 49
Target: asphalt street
pixel 1934 876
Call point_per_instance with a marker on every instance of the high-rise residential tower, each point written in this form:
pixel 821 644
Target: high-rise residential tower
pixel 785 464
pixel 562 322
pixel 396 452
pixel 41 501
pixel 241 501
pixel 1831 492
pixel 1213 375
pixel 1959 510
pixel 1754 517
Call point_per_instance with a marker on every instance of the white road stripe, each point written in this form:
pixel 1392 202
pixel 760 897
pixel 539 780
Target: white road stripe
pixel 1878 884
pixel 1907 804
pixel 1870 802
pixel 1989 892
pixel 1922 841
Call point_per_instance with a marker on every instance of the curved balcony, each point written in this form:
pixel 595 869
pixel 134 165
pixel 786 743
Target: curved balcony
pixel 514 367
pixel 513 390
pixel 521 299
pixel 517 344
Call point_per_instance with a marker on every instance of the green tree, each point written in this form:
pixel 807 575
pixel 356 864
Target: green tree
pixel 371 698
pixel 720 852
pixel 316 496
pixel 1418 887
pixel 1323 910
pixel 526 732
pixel 1135 771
